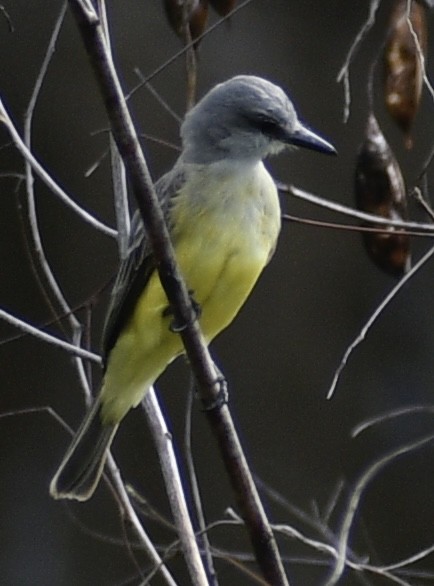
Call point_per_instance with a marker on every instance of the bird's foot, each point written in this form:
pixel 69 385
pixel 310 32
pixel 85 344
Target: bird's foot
pixel 221 397
pixel 176 326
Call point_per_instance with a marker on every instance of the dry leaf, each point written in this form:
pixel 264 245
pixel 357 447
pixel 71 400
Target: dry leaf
pixel 380 190
pixel 197 17
pixel 403 74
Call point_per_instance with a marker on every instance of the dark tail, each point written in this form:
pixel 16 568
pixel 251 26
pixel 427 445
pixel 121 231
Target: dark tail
pixel 81 468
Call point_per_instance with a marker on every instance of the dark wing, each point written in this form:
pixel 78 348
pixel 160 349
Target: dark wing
pixel 135 271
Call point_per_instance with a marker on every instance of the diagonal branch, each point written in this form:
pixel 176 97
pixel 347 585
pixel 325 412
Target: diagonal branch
pixel 50 339
pixel 46 177
pixel 204 370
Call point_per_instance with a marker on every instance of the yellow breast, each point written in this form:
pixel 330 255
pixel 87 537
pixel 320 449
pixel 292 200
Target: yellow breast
pixel 225 231
pixel 224 226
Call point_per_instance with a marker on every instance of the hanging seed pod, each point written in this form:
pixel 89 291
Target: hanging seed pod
pixel 197 18
pixel 223 7
pixel 380 190
pixel 403 74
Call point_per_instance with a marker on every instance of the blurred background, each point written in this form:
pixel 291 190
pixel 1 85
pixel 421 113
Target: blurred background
pixel 280 354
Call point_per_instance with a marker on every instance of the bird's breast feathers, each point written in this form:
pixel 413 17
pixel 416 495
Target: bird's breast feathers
pixel 226 220
pixel 224 224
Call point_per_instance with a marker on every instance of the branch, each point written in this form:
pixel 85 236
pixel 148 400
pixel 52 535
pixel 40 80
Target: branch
pixel 342 209
pixel 195 490
pixel 355 498
pixel 419 51
pixel 378 311
pixel 50 339
pixel 46 178
pixel 117 167
pixel 125 503
pixel 344 73
pixel 188 46
pixel 169 467
pixel 204 370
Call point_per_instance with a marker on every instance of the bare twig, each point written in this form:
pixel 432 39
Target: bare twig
pixel 169 467
pixel 190 55
pixel 361 567
pixel 163 103
pixel 186 48
pixel 205 372
pixel 50 339
pixel 378 311
pixel 48 180
pixel 342 209
pixel 7 18
pixel 94 166
pixel 361 427
pixel 351 227
pixel 418 196
pixel 344 72
pixel 420 54
pixel 355 498
pixel 117 166
pixel 128 509
pixel 195 490
pixel 35 410
pixel 420 555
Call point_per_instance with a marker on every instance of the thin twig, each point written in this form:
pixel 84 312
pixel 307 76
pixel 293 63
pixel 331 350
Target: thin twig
pixel 190 55
pixel 420 54
pixel 418 196
pixel 420 555
pixel 35 410
pixel 365 425
pixel 50 339
pixel 148 510
pixel 342 209
pixel 352 227
pixel 163 103
pixel 94 166
pixel 128 509
pixel 7 18
pixel 169 467
pixel 117 167
pixel 186 48
pixel 195 490
pixel 47 179
pixel 376 314
pixel 353 504
pixel 344 72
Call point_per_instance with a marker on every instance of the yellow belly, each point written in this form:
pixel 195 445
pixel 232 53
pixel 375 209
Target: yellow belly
pixel 221 253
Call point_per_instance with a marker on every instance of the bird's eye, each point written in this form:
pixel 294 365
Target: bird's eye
pixel 266 125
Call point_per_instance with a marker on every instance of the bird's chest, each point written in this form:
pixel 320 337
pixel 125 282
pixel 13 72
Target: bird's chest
pixel 225 231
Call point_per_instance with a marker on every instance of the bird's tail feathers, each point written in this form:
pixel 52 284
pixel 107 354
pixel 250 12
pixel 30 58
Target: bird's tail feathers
pixel 81 468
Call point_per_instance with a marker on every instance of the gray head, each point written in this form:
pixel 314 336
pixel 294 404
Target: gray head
pixel 244 118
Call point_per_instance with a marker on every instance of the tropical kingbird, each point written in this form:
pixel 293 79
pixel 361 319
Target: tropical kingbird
pixel 223 214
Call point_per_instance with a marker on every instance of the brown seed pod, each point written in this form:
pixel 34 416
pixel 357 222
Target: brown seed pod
pixel 223 7
pixel 197 17
pixel 403 74
pixel 380 190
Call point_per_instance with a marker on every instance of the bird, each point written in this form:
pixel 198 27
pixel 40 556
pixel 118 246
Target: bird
pixel 222 211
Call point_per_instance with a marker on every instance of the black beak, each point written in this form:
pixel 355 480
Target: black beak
pixel 303 137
